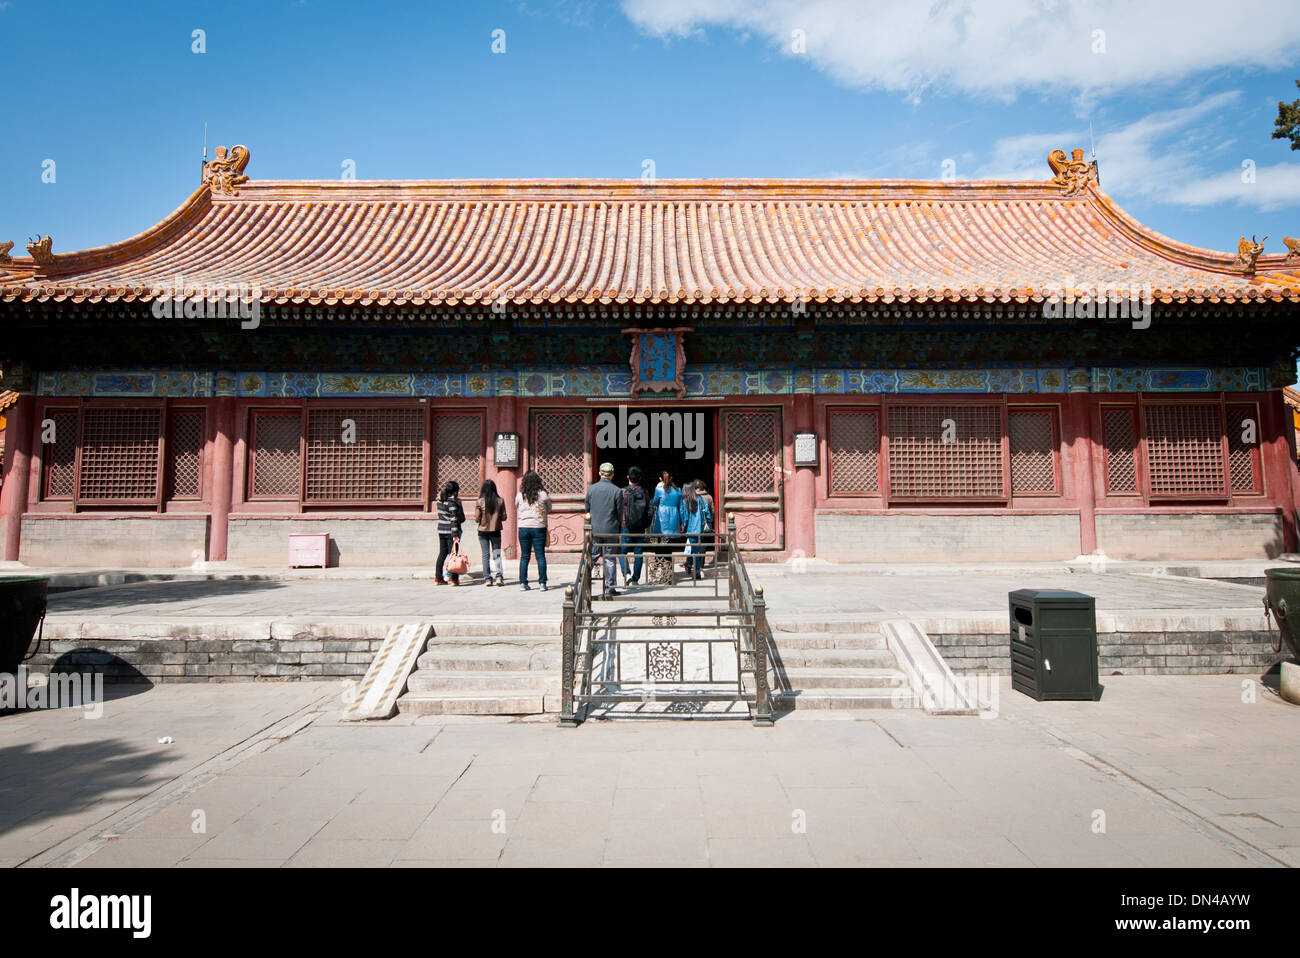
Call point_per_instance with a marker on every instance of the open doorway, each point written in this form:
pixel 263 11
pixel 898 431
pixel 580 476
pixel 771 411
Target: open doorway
pixel 683 441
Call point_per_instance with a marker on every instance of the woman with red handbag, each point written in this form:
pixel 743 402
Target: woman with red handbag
pixel 451 517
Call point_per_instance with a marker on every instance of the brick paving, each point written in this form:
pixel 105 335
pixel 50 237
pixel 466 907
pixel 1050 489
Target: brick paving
pixel 1162 771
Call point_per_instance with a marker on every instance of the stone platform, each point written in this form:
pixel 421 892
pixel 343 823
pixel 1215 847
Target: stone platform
pixel 245 624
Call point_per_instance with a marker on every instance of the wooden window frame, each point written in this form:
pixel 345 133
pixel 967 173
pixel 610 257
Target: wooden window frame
pixel 878 413
pixel 1143 402
pixel 418 501
pixel 156 500
pixel 907 400
pixel 1058 483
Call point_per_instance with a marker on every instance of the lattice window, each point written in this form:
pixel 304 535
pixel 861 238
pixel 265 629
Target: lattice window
pixel 1243 447
pixel 1119 434
pixel 185 454
pixel 119 454
pixel 1032 438
pixel 367 454
pixel 458 452
pixel 946 452
pixel 59 457
pixel 1185 449
pixel 854 441
pixel 752 449
pixel 276 462
pixel 559 444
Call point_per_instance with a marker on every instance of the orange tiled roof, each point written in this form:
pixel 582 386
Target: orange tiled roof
pixel 696 241
pixel 7 399
pixel 1291 396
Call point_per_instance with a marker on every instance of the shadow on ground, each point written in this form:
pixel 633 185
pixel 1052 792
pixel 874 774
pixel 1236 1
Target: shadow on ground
pixel 39 784
pixel 155 593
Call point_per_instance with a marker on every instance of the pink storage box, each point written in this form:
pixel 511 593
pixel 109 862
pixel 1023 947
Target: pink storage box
pixel 309 551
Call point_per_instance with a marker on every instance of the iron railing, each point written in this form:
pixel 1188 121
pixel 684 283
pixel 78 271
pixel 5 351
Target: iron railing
pixel 592 670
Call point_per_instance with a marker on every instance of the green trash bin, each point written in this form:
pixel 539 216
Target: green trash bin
pixel 1054 645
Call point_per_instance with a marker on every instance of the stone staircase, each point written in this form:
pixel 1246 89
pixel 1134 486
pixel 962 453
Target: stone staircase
pixel 496 668
pixel 837 665
pixel 513 668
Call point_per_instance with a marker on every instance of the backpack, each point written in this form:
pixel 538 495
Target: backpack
pixel 636 509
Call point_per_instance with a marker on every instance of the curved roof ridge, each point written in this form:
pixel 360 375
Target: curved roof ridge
pixel 721 239
pixel 1174 250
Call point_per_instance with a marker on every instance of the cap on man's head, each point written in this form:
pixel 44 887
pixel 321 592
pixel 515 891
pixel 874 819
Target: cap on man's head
pixel 606 468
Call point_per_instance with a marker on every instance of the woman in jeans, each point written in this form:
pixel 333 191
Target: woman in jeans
pixel 490 516
pixel 450 519
pixel 695 516
pixel 532 505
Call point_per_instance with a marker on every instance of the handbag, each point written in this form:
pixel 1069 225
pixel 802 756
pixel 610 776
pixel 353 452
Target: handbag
pixel 458 562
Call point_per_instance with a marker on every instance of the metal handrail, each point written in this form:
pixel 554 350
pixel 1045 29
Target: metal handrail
pixel 746 608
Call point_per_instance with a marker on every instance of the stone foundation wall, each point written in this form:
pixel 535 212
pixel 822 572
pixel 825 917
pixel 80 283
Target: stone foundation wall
pixel 935 537
pixel 354 542
pixel 212 652
pixel 1129 653
pixel 114 541
pixel 1191 535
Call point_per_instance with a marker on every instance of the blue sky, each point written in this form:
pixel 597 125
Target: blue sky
pixel 1180 96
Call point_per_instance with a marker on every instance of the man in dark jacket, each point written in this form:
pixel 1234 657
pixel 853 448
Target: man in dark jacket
pixel 604 506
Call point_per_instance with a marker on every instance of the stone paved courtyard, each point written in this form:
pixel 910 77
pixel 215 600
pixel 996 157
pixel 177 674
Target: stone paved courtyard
pixel 1163 771
pixel 820 590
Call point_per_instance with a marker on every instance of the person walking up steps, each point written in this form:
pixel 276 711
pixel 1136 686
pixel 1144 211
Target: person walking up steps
pixel 603 505
pixel 532 506
pixel 451 517
pixel 490 516
pixel 695 517
pixel 635 513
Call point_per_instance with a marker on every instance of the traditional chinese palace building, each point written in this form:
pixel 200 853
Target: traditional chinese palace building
pixel 884 370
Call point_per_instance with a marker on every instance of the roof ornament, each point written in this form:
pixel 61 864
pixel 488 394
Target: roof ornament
pixel 1248 251
pixel 225 173
pixel 41 250
pixel 1074 174
pixel 4 252
pixel 1292 248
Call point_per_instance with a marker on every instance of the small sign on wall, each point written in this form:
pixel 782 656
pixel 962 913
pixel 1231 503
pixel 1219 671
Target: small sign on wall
pixel 505 450
pixel 805 449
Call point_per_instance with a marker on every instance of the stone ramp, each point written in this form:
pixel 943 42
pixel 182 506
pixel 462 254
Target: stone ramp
pixel 387 675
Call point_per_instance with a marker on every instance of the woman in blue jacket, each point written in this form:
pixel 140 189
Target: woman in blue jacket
pixel 666 507
pixel 695 518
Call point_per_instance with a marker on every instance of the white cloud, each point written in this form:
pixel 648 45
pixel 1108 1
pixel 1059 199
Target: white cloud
pixel 1000 47
pixel 1156 157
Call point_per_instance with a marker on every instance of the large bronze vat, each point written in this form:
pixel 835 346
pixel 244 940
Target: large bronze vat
pixel 22 607
pixel 1282 599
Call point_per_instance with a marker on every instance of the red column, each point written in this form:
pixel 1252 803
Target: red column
pixel 19 435
pixel 800 536
pixel 223 477
pixel 1079 431
pixel 1275 457
pixel 507 479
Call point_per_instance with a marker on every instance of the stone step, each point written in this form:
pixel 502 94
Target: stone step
pixel 838 658
pixel 828 640
pixel 868 698
pixel 468 682
pixel 474 644
pixel 467 627
pixel 845 626
pixel 500 657
pixel 484 702
pixel 844 678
